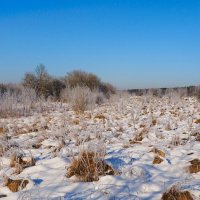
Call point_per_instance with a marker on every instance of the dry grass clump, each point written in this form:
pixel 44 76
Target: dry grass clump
pixel 18 162
pixel 1 130
pixel 139 136
pixel 82 140
pixel 100 117
pixel 75 122
pixel 196 134
pixel 197 138
pixel 15 185
pixel 154 122
pixel 3 195
pixel 168 126
pixel 197 121
pixel 126 145
pixel 173 113
pixel 162 113
pixel 157 160
pixel 120 129
pixel 195 166
pixel 158 152
pixel 176 141
pixel 175 194
pixel 3 146
pixel 88 167
pixel 1 150
pixel 36 145
pixel 142 125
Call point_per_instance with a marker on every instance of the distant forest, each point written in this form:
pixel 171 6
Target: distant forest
pixel 186 91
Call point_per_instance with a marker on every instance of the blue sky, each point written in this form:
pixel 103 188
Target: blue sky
pixel 130 43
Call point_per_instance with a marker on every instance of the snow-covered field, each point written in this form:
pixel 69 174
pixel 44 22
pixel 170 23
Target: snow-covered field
pixel 131 130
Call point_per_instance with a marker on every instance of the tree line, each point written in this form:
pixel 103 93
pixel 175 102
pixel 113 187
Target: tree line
pixel 46 85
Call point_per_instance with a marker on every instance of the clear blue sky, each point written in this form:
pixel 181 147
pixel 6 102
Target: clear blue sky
pixel 130 43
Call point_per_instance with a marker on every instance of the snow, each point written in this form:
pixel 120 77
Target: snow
pixel 137 179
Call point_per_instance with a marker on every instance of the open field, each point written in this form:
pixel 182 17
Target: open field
pixel 147 142
pixel 100 100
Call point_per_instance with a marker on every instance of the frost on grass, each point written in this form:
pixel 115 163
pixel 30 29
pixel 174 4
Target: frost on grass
pixel 82 99
pixel 131 131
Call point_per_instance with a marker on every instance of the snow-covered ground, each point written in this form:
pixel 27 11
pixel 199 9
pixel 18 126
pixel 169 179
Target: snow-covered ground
pixel 53 138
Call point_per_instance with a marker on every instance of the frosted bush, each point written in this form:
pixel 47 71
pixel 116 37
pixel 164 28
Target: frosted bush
pixel 65 94
pixel 82 98
pixel 17 103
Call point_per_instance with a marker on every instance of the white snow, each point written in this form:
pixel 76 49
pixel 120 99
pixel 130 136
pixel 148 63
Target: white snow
pixel 124 117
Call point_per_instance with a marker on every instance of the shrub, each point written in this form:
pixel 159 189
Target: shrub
pixel 65 94
pixel 82 79
pixel 3 89
pixel 107 89
pixel 17 102
pixel 81 99
pixel 56 87
pixel 30 81
pixel 40 81
pixel 99 98
pixel 45 85
pixel 198 94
